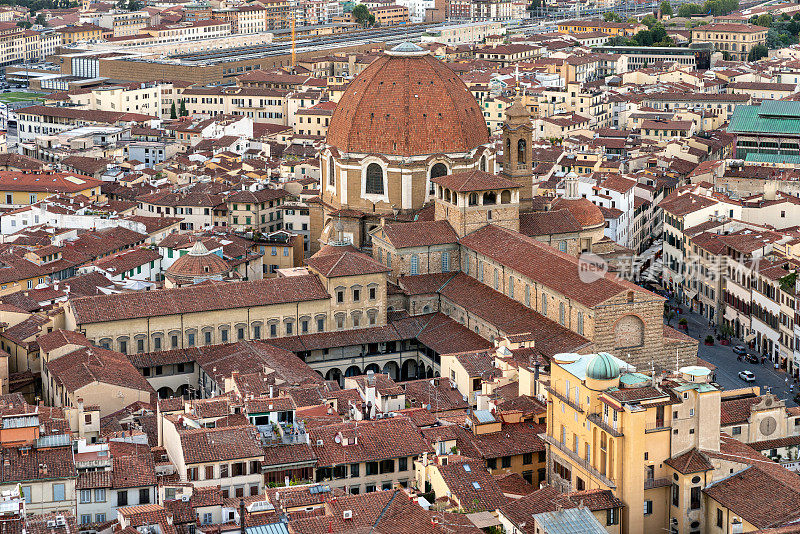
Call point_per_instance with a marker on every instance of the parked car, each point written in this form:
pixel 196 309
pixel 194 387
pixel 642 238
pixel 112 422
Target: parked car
pixel 747 376
pixel 740 350
pixel 752 358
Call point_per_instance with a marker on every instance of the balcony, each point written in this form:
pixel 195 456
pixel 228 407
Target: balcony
pixel 597 419
pixel 565 400
pixel 577 460
pixel 656 426
pixel 650 483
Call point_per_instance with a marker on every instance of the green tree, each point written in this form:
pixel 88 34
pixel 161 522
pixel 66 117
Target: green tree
pixel 757 52
pixel 612 17
pixel 649 20
pixel 24 24
pixel 40 20
pixel 644 38
pixel 687 10
pixel 764 20
pixel 659 33
pixel 666 8
pixel 362 15
pixel 182 110
pixel 173 113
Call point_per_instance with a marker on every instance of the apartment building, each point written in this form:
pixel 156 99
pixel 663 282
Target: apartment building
pixel 735 40
pixel 188 31
pixel 260 104
pixel 350 457
pixel 35 121
pixel 80 32
pixel 599 437
pixel 121 23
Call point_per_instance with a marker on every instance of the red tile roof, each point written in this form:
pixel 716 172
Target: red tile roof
pixel 368 441
pixel 203 297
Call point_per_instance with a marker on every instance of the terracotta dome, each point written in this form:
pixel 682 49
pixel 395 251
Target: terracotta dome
pixel 407 103
pixel 197 266
pixel 586 213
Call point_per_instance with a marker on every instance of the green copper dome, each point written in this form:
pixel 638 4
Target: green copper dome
pixel 602 366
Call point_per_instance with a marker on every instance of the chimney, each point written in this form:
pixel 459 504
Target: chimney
pixel 241 516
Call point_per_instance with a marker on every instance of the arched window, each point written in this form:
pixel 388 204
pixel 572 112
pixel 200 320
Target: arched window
pixel 414 264
pixel 508 149
pixel 528 296
pixel 374 185
pixel 447 195
pixel 490 197
pixel 505 197
pixel 544 304
pixel 483 163
pixel 580 323
pixel 331 177
pixel 521 148
pixel 445 262
pixel 562 316
pixel 473 199
pixel 440 169
pixel 466 264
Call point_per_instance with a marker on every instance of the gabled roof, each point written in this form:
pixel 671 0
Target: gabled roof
pixel 474 180
pixel 420 234
pixel 334 262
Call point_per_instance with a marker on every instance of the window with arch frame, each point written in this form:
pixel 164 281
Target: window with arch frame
pixel 374 180
pixel 438 169
pixel 331 172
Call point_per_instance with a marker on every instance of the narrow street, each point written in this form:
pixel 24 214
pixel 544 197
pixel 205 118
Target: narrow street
pixel 728 366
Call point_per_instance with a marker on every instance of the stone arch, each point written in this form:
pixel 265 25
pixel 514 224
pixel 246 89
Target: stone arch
pixel 505 197
pixel 436 170
pixel 165 392
pixel 490 197
pixel 374 367
pixel 629 331
pixel 392 369
pixel 429 372
pixel 353 370
pixel 408 370
pixel 522 147
pixel 334 374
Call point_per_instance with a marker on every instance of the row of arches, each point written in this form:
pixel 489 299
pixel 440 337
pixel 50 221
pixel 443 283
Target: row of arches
pixel 410 370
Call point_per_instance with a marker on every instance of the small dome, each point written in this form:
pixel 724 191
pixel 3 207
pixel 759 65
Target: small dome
pixel 198 265
pixel 602 366
pixel 586 213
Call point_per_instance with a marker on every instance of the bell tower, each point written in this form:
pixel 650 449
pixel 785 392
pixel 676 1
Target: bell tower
pixel 517 140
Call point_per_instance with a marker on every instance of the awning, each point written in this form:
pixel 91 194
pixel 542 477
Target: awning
pixel 730 314
pixel 690 293
pixel 749 337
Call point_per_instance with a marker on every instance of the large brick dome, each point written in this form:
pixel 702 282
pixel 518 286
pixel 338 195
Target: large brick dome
pixel 407 103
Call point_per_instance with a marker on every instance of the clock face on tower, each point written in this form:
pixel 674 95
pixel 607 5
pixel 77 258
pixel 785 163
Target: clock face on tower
pixel 768 426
